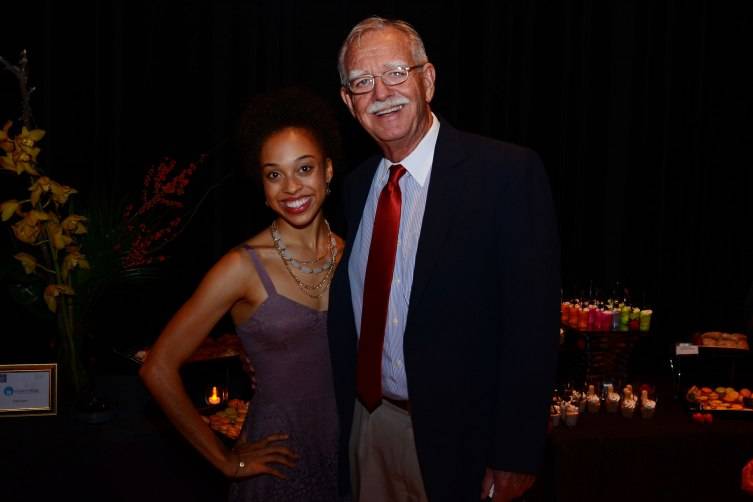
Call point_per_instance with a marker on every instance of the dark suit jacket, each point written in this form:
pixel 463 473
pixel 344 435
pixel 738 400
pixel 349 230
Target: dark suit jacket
pixel 483 322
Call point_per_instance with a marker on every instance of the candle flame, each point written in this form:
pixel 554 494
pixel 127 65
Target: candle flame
pixel 214 398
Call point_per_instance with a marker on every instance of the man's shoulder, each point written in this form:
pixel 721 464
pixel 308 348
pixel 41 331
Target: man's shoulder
pixel 483 158
pixel 487 149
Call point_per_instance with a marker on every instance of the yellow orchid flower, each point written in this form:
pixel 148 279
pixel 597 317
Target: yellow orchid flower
pixel 73 224
pixel 27 138
pixel 9 164
pixel 27 261
pixel 43 184
pixel 5 142
pixel 25 161
pixel 73 260
pixel 51 293
pixel 28 167
pixel 60 193
pixel 57 237
pixel 27 230
pixel 8 209
pixel 21 152
pixel 28 152
pixel 36 215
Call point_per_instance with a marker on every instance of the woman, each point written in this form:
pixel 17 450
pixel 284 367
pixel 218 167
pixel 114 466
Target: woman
pixel 275 288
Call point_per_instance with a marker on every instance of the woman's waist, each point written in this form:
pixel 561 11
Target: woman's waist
pixel 291 394
pixel 271 405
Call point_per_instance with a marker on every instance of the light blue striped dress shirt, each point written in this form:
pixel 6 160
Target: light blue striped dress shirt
pixel 414 186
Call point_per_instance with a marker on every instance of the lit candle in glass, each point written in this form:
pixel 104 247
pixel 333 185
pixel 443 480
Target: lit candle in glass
pixel 214 397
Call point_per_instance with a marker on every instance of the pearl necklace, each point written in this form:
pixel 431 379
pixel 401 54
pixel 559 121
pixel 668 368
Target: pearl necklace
pixel 312 290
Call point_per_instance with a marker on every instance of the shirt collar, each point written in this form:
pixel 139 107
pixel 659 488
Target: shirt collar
pixel 418 162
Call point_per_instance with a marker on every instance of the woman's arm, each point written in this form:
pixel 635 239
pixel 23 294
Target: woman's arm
pixel 224 285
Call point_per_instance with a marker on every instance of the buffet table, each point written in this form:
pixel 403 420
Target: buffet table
pixel 606 457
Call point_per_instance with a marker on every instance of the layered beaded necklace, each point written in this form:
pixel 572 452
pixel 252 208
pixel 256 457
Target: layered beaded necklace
pixel 312 290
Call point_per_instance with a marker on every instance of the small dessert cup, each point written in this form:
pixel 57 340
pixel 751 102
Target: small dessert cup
pixel 571 419
pixel 594 405
pixel 613 405
pixel 628 411
pixel 648 409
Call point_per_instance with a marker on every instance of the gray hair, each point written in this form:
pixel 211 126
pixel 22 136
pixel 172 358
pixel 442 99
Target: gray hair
pixel 379 23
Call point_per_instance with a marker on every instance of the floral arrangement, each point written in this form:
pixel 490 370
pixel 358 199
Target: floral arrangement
pixel 126 240
pixel 75 257
pixel 146 234
pixel 44 220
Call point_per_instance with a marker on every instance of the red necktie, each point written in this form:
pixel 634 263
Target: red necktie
pixel 376 291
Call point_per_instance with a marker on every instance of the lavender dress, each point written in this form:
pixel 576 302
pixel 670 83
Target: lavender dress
pixel 287 344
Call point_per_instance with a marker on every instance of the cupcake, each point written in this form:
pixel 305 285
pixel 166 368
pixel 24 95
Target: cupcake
pixel 628 403
pixel 571 415
pixel 648 406
pixel 579 400
pixel 613 402
pixel 554 414
pixel 592 400
pixel 594 403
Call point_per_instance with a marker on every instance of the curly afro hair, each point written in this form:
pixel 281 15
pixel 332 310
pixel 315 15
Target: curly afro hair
pixel 268 113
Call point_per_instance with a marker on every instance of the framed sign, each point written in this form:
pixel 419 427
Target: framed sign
pixel 28 389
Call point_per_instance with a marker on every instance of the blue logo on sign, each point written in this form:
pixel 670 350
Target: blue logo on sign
pixel 8 391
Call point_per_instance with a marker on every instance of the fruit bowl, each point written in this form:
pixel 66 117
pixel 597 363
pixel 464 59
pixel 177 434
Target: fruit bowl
pixel 227 420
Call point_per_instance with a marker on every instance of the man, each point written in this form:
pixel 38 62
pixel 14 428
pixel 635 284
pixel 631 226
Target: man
pixel 465 229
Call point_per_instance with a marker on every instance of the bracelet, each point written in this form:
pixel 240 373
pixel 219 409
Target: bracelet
pixel 241 465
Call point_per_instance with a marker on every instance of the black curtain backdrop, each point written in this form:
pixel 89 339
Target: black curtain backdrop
pixel 640 111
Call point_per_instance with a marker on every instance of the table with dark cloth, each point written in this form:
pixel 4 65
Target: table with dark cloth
pixel 607 457
pixel 138 456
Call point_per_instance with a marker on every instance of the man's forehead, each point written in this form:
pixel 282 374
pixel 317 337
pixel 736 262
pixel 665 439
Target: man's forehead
pixel 389 65
pixel 388 44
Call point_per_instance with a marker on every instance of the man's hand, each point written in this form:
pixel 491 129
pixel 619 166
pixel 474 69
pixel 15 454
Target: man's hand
pixel 747 478
pixel 507 485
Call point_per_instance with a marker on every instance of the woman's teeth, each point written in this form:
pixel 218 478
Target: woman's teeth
pixel 297 202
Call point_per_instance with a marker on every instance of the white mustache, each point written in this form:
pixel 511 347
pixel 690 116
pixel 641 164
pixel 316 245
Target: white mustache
pixel 378 106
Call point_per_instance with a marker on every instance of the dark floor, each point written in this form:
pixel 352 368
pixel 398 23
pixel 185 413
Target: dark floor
pixel 133 457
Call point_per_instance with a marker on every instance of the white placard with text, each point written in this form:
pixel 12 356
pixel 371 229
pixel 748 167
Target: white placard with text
pixel 28 389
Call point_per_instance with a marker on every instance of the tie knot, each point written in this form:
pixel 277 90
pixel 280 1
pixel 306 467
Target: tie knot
pixel 396 172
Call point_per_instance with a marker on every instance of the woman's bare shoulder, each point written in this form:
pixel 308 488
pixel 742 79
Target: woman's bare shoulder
pixel 236 264
pixel 261 243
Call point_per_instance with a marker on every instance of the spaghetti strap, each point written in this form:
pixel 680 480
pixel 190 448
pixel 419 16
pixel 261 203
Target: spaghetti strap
pixel 263 275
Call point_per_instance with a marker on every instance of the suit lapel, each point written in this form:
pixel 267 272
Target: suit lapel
pixel 359 187
pixel 356 192
pixel 444 190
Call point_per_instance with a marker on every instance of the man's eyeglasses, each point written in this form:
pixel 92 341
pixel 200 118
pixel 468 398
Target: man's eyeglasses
pixel 394 76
